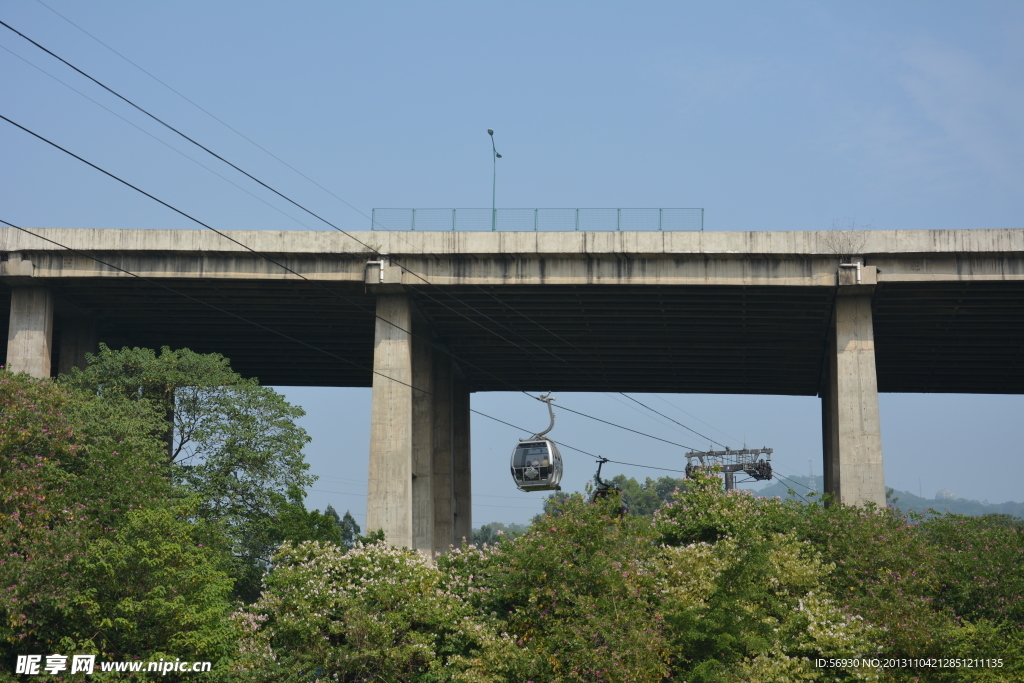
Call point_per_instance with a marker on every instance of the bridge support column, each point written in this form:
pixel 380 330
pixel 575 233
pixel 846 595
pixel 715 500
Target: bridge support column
pixel 30 333
pixel 415 434
pixel 78 336
pixel 443 452
pixel 462 480
pixel 851 428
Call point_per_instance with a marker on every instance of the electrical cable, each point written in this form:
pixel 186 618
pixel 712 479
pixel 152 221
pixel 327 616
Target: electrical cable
pixel 286 336
pixel 664 400
pixel 196 220
pixel 261 183
pixel 222 159
pixel 221 177
pixel 793 490
pixel 207 304
pixel 162 142
pixel 340 493
pixel 169 206
pixel 678 423
pixel 215 118
pixel 798 475
pixel 258 146
pixel 286 198
pixel 657 438
pixel 246 247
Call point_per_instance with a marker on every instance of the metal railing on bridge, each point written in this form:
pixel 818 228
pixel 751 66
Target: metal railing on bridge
pixel 538 220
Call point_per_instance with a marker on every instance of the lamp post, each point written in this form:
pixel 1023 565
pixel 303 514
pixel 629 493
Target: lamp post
pixel 494 182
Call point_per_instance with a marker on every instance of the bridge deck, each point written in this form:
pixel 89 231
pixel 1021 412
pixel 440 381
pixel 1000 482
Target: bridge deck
pixel 666 312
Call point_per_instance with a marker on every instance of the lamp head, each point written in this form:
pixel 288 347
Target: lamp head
pixel 490 132
pixel 498 155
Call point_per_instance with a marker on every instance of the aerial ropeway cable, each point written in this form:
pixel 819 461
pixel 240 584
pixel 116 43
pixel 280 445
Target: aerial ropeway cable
pixel 315 215
pixel 206 149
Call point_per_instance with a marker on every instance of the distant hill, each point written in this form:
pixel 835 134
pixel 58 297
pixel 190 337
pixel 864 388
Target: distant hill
pixel 905 500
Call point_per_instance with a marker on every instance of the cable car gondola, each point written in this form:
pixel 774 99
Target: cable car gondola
pixel 604 488
pixel 536 463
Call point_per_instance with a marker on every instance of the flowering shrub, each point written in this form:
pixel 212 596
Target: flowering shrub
pixel 374 613
pixel 835 581
pixel 39 523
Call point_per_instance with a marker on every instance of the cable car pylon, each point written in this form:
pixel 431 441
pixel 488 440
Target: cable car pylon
pixel 729 462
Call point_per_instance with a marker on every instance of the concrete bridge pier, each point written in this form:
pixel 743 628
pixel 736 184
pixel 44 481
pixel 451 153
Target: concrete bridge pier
pixel 30 332
pixel 419 488
pixel 78 336
pixel 851 428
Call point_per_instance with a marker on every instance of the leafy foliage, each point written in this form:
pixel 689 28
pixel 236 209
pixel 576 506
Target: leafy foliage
pixel 99 556
pixel 158 585
pixel 233 443
pixel 644 499
pixel 371 613
pixel 578 591
pixel 110 548
pixel 348 529
pixel 491 534
pixel 143 375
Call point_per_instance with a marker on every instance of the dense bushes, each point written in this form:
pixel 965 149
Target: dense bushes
pixel 107 552
pixel 108 548
pixel 715 587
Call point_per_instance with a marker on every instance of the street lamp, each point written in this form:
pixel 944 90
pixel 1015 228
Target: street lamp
pixel 494 182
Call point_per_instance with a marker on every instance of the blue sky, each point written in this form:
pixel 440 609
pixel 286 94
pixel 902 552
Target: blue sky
pixel 771 116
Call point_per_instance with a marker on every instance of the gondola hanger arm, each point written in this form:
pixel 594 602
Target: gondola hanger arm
pixel 546 398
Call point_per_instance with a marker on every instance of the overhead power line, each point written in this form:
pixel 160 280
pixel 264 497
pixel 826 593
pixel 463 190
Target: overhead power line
pixel 197 106
pixel 303 208
pixel 787 479
pixel 164 142
pixel 678 423
pixel 244 246
pixel 239 243
pixel 635 431
pixel 278 333
pixel 240 170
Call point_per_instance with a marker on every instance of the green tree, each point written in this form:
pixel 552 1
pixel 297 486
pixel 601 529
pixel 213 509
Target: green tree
pixel 497 531
pixel 904 587
pixel 640 499
pixel 155 587
pixel 552 505
pixel 96 543
pixel 348 529
pixel 245 462
pixel 578 591
pixel 142 374
pixel 297 524
pixel 233 443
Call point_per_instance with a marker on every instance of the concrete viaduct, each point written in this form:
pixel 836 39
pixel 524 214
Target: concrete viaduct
pixel 840 315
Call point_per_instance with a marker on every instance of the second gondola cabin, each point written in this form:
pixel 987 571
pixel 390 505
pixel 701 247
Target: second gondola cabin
pixel 537 465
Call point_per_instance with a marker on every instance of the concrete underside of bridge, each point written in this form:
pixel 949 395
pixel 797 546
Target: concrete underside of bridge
pixel 836 315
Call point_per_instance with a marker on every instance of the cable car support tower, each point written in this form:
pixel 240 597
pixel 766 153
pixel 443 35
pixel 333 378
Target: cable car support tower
pixel 729 462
